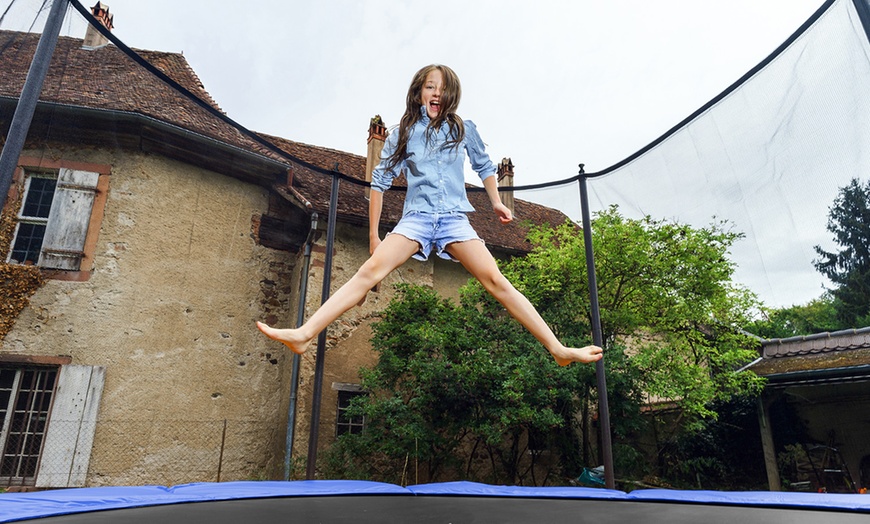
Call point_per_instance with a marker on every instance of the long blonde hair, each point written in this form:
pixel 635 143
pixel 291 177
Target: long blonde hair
pixel 450 95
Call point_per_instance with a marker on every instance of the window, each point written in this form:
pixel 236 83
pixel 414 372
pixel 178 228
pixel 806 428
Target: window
pixel 25 400
pixel 48 414
pixel 38 194
pixel 58 221
pixel 54 218
pixel 345 423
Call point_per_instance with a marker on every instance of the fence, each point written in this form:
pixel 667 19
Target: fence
pixel 140 452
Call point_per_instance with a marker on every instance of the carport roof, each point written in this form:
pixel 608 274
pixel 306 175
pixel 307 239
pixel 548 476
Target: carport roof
pixel 841 356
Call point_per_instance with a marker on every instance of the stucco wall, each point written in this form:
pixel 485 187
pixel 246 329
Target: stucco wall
pixel 169 311
pixel 192 389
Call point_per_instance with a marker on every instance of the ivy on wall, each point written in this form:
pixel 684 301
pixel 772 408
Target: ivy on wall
pixel 17 283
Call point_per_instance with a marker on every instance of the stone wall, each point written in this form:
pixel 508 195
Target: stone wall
pixel 193 391
pixel 169 311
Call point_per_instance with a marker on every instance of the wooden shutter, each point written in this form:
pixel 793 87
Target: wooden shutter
pixel 62 247
pixel 66 451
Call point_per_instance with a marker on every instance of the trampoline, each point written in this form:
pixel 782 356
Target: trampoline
pixel 323 501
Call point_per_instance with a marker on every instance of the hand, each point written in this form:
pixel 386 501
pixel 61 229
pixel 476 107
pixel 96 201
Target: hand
pixel 504 213
pixel 374 242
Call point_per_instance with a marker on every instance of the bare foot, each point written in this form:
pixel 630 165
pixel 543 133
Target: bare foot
pixel 292 338
pixel 584 355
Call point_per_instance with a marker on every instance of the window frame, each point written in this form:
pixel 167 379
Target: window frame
pixel 29 166
pixel 68 441
pixel 343 425
pixel 36 415
pixel 21 218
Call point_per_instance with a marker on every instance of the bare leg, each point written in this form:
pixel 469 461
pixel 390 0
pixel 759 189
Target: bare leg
pixel 477 259
pixel 390 254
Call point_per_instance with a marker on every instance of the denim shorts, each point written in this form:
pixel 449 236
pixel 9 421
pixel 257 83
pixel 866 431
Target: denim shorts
pixel 436 230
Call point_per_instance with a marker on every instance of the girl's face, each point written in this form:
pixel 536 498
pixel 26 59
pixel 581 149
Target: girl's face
pixel 430 96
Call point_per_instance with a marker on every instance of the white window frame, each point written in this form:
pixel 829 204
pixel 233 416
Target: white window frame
pixel 27 219
pixel 66 227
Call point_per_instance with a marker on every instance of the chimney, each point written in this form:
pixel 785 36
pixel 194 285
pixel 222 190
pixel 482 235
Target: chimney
pixel 94 38
pixel 505 176
pixel 377 135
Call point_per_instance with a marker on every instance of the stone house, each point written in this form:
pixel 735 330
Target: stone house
pixel 142 237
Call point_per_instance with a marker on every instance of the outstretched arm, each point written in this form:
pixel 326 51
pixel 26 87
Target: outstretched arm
pixel 503 212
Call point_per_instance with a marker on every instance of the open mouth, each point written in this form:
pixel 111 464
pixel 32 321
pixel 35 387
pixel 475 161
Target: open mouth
pixel 434 105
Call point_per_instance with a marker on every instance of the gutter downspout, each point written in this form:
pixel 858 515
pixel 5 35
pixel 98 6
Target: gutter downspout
pixel 300 318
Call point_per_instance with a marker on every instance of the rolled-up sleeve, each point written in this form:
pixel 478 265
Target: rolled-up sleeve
pixel 382 178
pixel 477 155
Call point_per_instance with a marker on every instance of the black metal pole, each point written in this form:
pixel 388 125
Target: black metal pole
pixel 297 360
pixel 20 125
pixel 321 338
pixel 597 339
pixel 862 7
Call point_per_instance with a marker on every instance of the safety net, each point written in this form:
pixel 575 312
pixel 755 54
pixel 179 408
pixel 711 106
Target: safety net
pixel 187 226
pixel 769 155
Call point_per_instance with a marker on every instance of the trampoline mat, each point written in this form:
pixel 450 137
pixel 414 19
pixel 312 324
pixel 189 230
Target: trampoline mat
pixel 362 509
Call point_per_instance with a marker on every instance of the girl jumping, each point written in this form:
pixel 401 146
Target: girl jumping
pixel 430 146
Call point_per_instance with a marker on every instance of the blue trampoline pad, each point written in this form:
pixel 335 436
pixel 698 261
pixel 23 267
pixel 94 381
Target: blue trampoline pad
pixel 455 502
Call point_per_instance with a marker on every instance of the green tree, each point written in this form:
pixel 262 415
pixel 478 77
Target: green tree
pixel 849 268
pixel 456 392
pixel 817 316
pixel 666 298
pixel 459 388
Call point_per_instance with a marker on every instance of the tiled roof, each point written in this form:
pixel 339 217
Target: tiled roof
pixel 106 78
pixel 809 364
pixel 815 344
pixel 823 352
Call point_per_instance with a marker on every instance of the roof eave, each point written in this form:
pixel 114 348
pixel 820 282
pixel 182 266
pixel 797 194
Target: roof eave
pixel 63 122
pixel 860 373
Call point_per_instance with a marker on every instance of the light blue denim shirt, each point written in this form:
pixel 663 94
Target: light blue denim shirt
pixel 435 173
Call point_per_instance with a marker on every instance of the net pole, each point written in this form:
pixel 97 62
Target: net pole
pixel 862 7
pixel 597 339
pixel 29 97
pixel 313 431
pixel 297 358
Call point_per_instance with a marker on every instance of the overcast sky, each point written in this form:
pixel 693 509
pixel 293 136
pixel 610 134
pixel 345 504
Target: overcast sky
pixel 549 83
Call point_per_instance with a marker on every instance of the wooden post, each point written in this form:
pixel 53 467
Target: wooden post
pixel 773 481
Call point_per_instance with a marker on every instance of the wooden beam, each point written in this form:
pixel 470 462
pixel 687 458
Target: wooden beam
pixel 60 360
pixel 773 481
